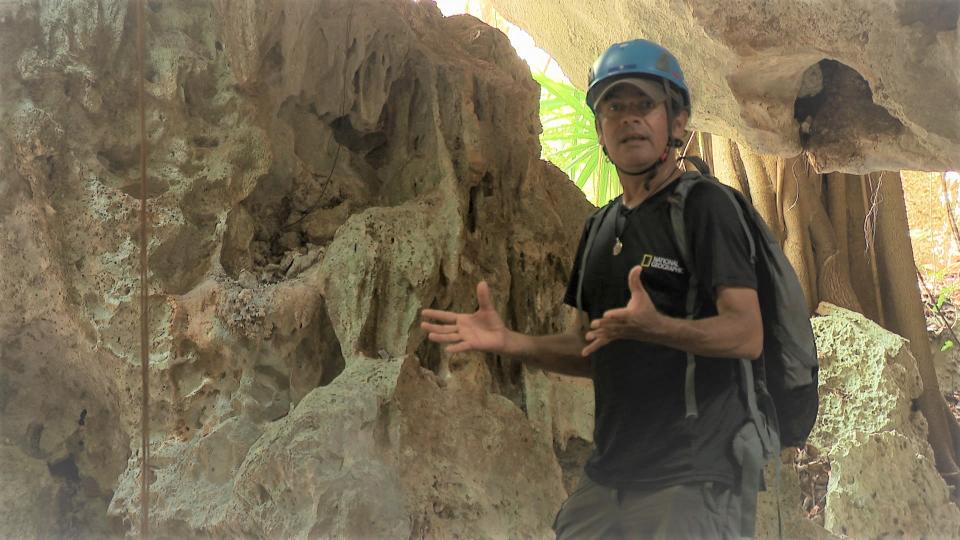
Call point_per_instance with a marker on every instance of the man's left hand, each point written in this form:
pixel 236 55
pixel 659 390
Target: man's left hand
pixel 635 321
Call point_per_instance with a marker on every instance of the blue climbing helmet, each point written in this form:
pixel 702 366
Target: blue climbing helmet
pixel 636 58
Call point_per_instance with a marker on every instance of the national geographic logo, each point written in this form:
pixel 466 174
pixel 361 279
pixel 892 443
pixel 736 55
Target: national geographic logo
pixel 661 263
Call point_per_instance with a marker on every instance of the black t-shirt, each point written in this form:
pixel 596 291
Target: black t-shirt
pixel 642 436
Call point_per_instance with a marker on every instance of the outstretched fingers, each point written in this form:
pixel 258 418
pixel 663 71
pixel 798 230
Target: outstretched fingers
pixel 445 326
pixel 484 298
pixel 593 346
pixel 439 315
pixel 440 333
pixel 609 324
pixel 609 333
pixel 613 316
pixel 438 328
pixel 445 338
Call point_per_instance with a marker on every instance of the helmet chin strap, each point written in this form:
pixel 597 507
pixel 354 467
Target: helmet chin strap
pixel 650 171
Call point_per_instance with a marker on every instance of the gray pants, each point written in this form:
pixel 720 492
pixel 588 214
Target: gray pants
pixel 687 511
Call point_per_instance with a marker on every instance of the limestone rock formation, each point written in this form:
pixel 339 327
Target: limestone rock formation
pixel 861 86
pixel 318 173
pixel 882 477
pixel 29 492
pixel 883 481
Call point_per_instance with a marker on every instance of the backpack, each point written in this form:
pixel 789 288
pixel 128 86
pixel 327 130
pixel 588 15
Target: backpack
pixel 784 381
pixel 781 387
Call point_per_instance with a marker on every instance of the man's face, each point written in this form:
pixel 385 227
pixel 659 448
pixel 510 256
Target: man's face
pixel 633 127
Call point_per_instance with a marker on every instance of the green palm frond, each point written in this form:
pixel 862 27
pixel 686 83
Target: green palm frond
pixel 569 140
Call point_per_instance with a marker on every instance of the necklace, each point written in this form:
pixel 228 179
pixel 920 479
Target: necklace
pixel 623 213
pixel 620 226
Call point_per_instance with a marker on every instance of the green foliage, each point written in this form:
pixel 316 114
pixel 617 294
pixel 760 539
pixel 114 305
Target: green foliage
pixel 948 286
pixel 939 295
pixel 945 293
pixel 569 140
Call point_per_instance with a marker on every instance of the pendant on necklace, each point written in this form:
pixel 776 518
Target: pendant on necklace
pixel 617 247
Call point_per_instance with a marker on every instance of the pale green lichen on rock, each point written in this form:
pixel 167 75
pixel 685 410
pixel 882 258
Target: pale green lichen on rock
pixel 867 380
pixel 883 480
pixel 867 488
pixel 846 337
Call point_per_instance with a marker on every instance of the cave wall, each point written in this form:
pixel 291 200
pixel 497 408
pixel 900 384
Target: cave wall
pixel 860 86
pixel 318 173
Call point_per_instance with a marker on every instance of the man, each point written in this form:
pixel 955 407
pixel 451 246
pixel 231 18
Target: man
pixel 661 469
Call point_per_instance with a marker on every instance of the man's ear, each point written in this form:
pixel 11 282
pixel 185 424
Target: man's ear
pixel 680 124
pixel 600 138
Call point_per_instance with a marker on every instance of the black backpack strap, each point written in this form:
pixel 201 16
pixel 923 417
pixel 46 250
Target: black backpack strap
pixel 595 220
pixel 700 164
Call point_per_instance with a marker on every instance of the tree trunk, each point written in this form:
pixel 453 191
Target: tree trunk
pixel 840 290
pixel 903 312
pixel 797 242
pixel 856 204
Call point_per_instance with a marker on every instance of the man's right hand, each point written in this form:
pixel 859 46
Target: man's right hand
pixel 481 331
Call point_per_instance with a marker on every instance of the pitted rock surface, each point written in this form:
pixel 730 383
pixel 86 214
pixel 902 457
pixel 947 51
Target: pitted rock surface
pixel 883 480
pixel 317 174
pixel 861 86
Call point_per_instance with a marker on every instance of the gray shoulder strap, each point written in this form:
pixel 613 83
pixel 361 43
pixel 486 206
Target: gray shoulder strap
pixel 743 223
pixel 678 200
pixel 678 203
